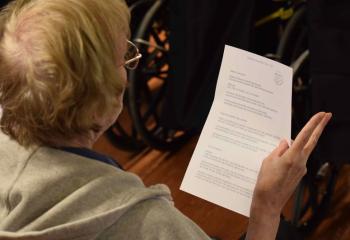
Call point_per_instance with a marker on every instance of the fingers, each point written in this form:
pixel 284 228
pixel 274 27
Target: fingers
pixel 304 135
pixel 280 149
pixel 310 145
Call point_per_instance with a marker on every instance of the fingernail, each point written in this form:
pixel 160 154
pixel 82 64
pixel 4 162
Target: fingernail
pixel 328 115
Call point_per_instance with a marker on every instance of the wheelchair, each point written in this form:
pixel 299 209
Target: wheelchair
pixel 148 84
pixel 314 193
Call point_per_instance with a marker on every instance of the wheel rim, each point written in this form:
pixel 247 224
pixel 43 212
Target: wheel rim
pixel 148 83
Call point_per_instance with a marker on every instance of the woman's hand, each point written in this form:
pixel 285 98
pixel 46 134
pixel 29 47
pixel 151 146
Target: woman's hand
pixel 280 174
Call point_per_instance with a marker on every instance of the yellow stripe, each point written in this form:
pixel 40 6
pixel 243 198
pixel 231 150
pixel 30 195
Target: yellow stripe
pixel 281 13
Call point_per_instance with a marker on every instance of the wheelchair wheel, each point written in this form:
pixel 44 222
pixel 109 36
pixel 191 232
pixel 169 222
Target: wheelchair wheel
pixel 294 39
pixel 123 133
pixel 315 190
pixel 301 100
pixel 314 195
pixel 148 83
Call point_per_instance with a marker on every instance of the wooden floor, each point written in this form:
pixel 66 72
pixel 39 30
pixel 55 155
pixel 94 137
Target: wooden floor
pixel 169 168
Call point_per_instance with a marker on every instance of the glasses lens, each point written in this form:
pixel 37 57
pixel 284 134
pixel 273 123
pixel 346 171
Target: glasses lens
pixel 131 56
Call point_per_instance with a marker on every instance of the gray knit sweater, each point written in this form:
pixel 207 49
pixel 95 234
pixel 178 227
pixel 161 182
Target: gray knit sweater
pixel 51 194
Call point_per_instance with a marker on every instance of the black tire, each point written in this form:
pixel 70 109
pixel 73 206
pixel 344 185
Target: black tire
pixel 301 99
pixel 123 133
pixel 148 83
pixel 294 39
pixel 314 193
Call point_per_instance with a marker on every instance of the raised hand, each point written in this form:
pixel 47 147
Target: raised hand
pixel 280 174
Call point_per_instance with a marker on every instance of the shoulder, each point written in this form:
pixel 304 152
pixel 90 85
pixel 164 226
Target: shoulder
pixel 155 218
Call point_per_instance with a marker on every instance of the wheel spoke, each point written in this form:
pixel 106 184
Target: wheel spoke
pixel 154 72
pixel 150 81
pixel 120 129
pixel 154 103
pixel 150 112
pixel 148 93
pixel 151 58
pixel 164 134
pixel 155 36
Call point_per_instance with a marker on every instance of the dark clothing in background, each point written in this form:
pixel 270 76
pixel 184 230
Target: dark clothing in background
pixel 329 39
pixel 199 31
pixel 4 2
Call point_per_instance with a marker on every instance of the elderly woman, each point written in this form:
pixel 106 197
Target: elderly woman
pixel 62 78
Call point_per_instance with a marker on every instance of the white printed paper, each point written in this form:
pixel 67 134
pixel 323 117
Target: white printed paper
pixel 250 114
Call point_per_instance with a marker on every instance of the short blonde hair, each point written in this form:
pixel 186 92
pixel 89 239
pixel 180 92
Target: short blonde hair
pixel 58 66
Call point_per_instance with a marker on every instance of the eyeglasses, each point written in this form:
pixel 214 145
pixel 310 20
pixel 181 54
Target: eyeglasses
pixel 132 56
